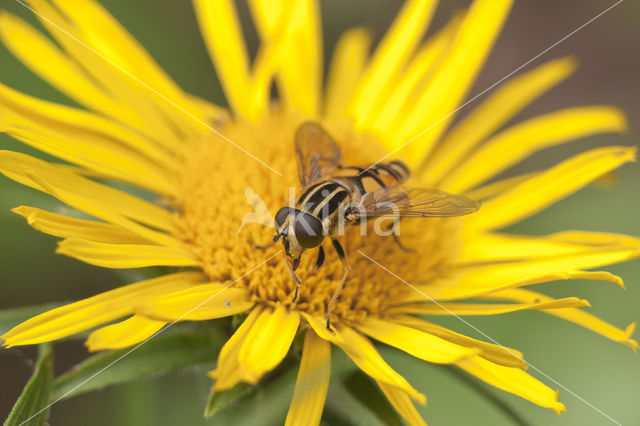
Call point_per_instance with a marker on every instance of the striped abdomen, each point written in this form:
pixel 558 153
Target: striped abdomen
pixel 327 199
pixel 382 175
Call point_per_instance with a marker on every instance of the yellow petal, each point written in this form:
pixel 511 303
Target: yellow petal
pixel 520 141
pixel 433 108
pixel 135 103
pixel 203 302
pixel 576 316
pixel 99 30
pixel 69 227
pixel 89 150
pixel 507 100
pixel 82 121
pixel 487 309
pixel 390 56
pixel 498 187
pixel 498 246
pixel 550 186
pixel 52 65
pixel 312 382
pixel 222 34
pixel 415 342
pixel 349 58
pixel 399 99
pixel 229 371
pixel 84 194
pixel 495 353
pixel 402 403
pixel 268 342
pixel 490 277
pixel 122 256
pixel 594 239
pixel 296 30
pixel 513 380
pixel 122 334
pixel 88 313
pixel 364 355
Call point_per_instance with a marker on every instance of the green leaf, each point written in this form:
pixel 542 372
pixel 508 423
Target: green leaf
pixel 367 392
pixel 265 403
pixel 180 347
pixel 343 408
pixel 31 407
pixel 220 399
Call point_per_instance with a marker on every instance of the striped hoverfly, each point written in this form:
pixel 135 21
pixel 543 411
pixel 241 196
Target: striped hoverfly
pixel 334 195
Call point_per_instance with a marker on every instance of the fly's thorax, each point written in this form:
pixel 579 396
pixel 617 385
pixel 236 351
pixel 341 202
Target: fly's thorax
pixel 327 201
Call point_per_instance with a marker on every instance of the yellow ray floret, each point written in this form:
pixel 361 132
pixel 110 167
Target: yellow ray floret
pixel 312 382
pixel 488 309
pixel 295 28
pixel 269 340
pixel 501 105
pixel 88 313
pixel 402 403
pixel 577 316
pixel 513 380
pixel 124 333
pixel 393 51
pixel 364 355
pixel 120 256
pixel 69 227
pixel 544 189
pixel 494 353
pixel 203 302
pixel 398 99
pixel 416 342
pixel 349 58
pixel 522 140
pixel 443 93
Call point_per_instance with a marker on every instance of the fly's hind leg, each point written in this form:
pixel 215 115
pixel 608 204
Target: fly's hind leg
pixel 392 227
pixel 347 268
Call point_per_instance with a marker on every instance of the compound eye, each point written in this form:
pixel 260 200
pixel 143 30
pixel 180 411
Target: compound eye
pixel 281 216
pixel 308 230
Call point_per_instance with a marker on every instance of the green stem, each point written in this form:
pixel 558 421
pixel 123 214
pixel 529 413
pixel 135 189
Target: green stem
pixel 489 396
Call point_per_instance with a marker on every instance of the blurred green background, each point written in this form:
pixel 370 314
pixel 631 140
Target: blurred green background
pixel 593 371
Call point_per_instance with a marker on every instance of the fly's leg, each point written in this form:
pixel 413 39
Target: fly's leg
pixel 263 247
pixel 271 244
pixel 319 262
pixel 292 268
pixel 347 268
pixel 320 259
pixel 391 228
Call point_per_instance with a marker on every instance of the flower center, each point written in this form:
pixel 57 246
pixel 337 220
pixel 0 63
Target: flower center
pixel 213 204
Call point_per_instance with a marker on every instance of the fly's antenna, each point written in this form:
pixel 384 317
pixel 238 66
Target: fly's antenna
pixel 266 246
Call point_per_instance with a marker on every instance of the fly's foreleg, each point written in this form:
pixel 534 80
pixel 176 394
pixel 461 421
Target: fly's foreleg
pixel 319 259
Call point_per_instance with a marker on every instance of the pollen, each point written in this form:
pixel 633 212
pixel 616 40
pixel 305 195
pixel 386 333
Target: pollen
pixel 212 203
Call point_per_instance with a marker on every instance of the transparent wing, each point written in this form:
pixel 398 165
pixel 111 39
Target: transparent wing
pixel 318 154
pixel 401 202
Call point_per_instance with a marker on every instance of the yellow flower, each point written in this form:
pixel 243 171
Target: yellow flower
pixel 140 128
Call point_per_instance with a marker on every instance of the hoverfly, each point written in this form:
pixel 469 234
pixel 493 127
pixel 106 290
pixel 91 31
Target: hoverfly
pixel 334 195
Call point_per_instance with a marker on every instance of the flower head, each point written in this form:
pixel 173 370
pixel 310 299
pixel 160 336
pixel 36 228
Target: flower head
pixel 138 127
